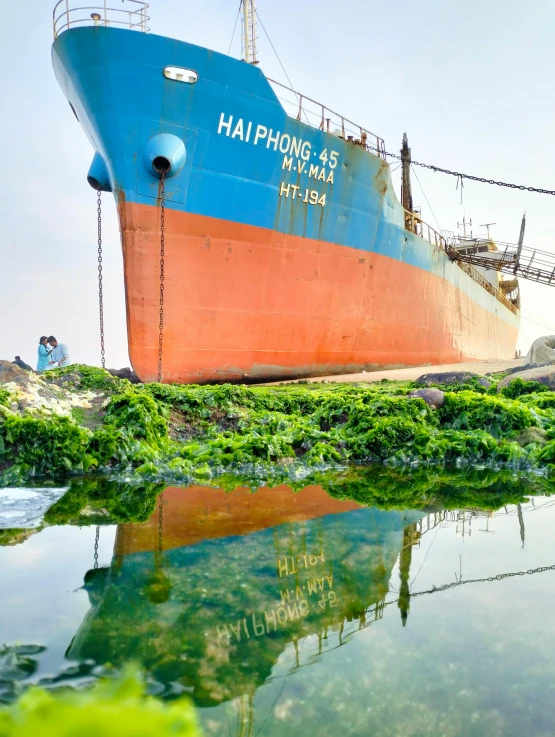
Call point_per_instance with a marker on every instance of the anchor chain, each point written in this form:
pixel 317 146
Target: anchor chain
pixel 96 547
pixel 460 176
pixel 162 253
pixel 100 292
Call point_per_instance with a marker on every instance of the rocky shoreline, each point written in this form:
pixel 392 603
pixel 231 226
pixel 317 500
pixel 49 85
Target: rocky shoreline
pixel 84 420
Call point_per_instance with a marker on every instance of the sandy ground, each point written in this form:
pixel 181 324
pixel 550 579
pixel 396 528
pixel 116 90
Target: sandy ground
pixel 410 374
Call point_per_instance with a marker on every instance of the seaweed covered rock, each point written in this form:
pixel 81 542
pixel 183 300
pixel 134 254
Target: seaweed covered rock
pixel 500 417
pixel 544 375
pixel 191 433
pixel 532 435
pixel 452 378
pixel 433 397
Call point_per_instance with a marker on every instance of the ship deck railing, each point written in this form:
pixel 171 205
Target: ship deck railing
pixel 131 14
pixel 317 115
pixel 416 225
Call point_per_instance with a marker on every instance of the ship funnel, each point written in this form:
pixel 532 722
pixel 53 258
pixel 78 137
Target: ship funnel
pixel 98 176
pixel 165 154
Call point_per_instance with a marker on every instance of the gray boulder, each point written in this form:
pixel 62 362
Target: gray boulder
pixel 10 372
pixel 125 373
pixel 542 350
pixel 518 369
pixel 434 398
pixel 543 375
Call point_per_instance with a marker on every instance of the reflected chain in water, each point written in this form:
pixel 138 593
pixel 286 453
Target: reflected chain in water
pixel 160 521
pixel 498 577
pixel 96 547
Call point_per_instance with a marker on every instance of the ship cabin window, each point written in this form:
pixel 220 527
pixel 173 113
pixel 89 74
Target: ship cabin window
pixel 178 74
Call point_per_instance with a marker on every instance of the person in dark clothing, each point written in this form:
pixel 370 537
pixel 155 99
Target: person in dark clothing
pixel 22 364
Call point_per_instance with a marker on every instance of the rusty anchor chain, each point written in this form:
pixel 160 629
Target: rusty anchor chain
pixel 162 253
pixel 100 292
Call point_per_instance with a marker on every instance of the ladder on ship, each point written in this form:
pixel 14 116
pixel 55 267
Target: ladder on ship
pixel 515 259
pixel 509 258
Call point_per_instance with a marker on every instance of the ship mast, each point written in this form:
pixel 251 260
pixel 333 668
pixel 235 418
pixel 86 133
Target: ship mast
pixel 406 189
pixel 249 32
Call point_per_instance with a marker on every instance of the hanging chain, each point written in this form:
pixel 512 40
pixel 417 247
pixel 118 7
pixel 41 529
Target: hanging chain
pixel 162 248
pixel 96 547
pixel 461 176
pixel 498 577
pixel 100 293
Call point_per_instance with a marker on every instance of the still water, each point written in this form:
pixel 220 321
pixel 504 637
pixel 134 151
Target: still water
pixel 294 613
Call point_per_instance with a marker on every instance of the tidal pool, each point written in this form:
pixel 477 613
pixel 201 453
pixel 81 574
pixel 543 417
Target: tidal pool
pixel 296 613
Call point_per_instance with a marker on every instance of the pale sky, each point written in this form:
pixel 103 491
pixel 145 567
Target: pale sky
pixel 470 83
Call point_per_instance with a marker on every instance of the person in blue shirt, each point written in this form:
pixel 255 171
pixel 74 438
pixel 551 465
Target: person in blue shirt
pixel 44 354
pixel 59 355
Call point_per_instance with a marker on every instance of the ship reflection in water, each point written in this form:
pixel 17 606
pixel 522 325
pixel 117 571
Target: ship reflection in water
pixel 285 612
pixel 217 586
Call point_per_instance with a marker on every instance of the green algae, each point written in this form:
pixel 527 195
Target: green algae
pixel 518 388
pixel 86 377
pixel 196 433
pixel 94 501
pixel 114 706
pixel 46 447
pixel 4 397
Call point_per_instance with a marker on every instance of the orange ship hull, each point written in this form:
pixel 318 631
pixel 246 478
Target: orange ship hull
pixel 249 303
pixel 203 513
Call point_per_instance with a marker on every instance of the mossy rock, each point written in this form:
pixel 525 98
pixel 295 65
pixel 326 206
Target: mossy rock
pixel 544 375
pixel 446 377
pixel 532 435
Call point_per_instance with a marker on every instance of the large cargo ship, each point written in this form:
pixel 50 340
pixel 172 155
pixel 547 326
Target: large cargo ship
pixel 281 246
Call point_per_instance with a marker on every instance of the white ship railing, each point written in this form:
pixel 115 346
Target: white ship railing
pixel 307 110
pixel 132 14
pixel 416 225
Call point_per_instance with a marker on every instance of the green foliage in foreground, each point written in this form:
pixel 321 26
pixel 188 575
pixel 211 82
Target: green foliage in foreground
pixel 112 707
pixel 518 388
pixel 47 446
pixel 4 397
pixel 197 433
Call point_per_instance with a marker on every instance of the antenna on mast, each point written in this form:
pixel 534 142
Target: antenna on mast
pixel 249 32
pixel 487 226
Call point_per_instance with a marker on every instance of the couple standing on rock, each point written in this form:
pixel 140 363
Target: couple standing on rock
pixel 52 354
